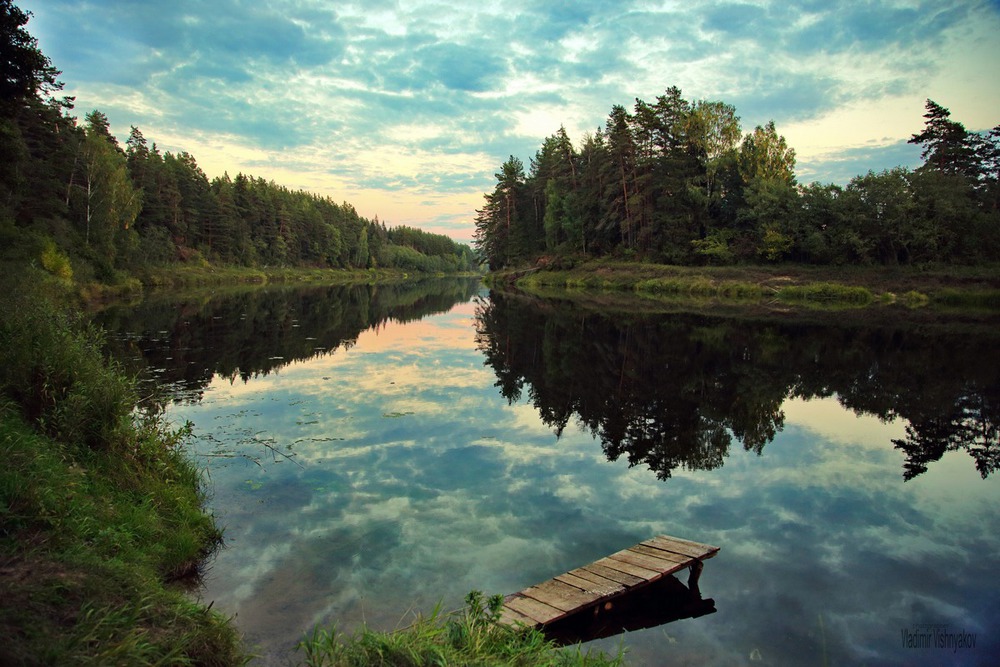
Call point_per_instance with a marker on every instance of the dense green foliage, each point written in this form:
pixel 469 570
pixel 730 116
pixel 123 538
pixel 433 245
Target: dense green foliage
pixel 99 507
pixel 473 637
pixel 678 182
pixel 99 210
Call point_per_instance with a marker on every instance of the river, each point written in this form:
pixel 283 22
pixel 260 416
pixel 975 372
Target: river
pixel 374 451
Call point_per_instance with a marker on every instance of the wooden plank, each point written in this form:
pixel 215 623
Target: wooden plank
pixel 595 578
pixel 643 573
pixel 537 611
pixel 512 617
pixel 606 578
pixel 622 578
pixel 686 547
pixel 662 555
pixel 575 581
pixel 658 565
pixel 653 562
pixel 559 595
pixel 681 540
pixel 602 588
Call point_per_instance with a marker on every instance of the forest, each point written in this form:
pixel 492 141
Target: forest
pixel 678 182
pixel 86 207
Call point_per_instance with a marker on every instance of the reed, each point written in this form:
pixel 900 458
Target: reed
pixel 988 299
pixel 827 293
pixel 473 636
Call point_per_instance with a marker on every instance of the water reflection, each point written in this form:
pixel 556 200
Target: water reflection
pixel 415 481
pixel 665 601
pixel 677 391
pixel 249 332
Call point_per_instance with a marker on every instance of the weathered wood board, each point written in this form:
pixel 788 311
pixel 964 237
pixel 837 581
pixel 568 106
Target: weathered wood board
pixel 610 577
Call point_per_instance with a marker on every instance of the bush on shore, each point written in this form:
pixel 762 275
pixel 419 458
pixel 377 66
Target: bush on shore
pixel 101 513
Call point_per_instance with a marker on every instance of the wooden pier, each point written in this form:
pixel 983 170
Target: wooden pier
pixel 595 586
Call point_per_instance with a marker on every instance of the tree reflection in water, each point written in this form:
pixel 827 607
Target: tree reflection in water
pixel 676 390
pixel 243 333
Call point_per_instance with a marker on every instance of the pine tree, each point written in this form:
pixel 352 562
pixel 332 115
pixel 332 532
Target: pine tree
pixel 947 146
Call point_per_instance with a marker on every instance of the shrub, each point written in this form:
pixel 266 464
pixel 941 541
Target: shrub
pixel 54 369
pixel 56 262
pixel 101 508
pixel 914 299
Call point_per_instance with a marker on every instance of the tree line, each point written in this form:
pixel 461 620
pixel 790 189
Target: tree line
pixel 677 181
pixel 73 196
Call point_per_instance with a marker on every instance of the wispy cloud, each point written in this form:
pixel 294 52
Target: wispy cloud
pixel 407 108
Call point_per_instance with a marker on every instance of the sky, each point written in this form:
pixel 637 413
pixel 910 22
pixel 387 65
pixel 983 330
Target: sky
pixel 406 109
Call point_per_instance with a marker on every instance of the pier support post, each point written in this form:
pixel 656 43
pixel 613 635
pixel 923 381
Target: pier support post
pixel 695 573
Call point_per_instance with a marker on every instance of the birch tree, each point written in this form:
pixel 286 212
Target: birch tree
pixel 110 203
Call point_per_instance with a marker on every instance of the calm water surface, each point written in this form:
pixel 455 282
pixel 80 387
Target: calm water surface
pixel 373 452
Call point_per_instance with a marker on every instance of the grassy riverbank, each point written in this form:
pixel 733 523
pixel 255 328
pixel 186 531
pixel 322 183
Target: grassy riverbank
pixel 197 276
pixel 101 513
pixel 103 527
pixel 189 276
pixel 473 636
pixel 835 286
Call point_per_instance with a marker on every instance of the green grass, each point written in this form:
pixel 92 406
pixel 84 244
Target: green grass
pixel 827 293
pixel 212 275
pixel 813 287
pixel 701 287
pixel 987 299
pixel 101 513
pixel 471 637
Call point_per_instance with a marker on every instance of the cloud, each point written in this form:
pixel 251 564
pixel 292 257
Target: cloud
pixel 461 68
pixel 387 101
pixel 729 21
pixel 841 166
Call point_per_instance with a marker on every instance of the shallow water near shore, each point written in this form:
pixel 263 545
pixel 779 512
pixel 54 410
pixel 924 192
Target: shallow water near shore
pixel 374 452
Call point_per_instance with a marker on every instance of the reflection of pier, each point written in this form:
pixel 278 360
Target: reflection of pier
pixel 625 590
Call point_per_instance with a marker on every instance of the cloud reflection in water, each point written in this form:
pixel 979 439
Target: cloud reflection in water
pixel 413 481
